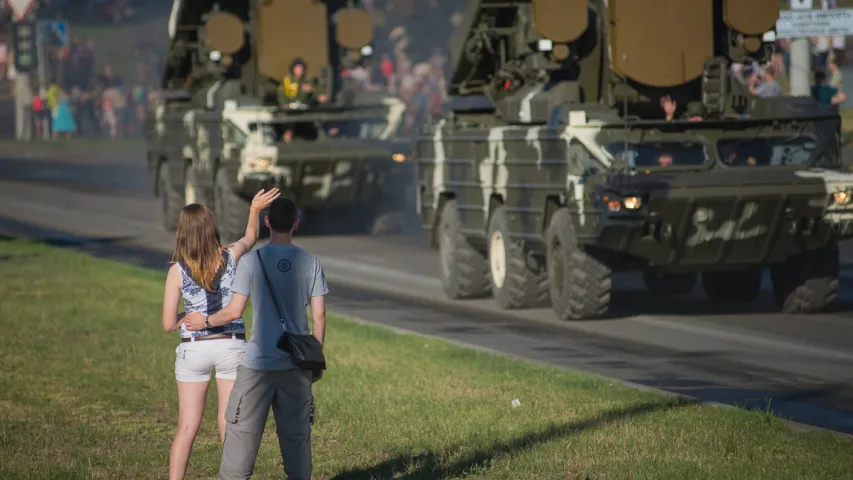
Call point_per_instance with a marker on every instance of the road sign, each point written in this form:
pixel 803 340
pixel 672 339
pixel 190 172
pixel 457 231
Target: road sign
pixel 24 46
pixel 20 8
pixel 815 23
pixel 55 33
pixel 801 5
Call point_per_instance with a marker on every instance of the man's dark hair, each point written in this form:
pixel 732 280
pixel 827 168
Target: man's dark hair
pixel 297 61
pixel 819 77
pixel 282 215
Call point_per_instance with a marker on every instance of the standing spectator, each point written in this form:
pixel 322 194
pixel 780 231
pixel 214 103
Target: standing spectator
pixel 108 79
pixel 110 100
pixel 267 375
pixel 139 102
pixel 820 50
pixel 826 94
pixel 836 79
pixel 53 94
pixel 4 59
pixel 63 117
pixel 40 114
pixel 387 69
pixel 839 49
pixel 87 121
pixel 763 84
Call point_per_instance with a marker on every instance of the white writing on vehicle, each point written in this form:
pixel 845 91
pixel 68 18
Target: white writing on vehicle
pixel 729 230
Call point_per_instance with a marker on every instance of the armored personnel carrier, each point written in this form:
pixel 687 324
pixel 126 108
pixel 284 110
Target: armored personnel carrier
pixel 254 99
pixel 589 137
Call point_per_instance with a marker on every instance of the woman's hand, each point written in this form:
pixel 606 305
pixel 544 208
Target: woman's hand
pixel 195 321
pixel 263 199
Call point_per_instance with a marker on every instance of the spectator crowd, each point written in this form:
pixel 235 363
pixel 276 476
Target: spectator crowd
pixel 410 61
pixel 411 54
pixel 77 99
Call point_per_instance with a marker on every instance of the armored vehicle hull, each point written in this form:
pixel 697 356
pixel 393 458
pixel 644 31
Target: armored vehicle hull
pixel 541 214
pixel 254 98
pixel 221 158
pixel 594 136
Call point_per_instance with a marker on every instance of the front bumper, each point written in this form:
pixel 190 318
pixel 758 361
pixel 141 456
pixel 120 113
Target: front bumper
pixel 326 183
pixel 714 232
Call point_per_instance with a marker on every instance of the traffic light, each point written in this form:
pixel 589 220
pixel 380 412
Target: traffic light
pixel 24 46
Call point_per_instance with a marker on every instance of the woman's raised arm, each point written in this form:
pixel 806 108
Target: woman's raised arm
pixel 261 201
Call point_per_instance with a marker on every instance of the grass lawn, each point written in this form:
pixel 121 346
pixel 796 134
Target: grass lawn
pixel 87 391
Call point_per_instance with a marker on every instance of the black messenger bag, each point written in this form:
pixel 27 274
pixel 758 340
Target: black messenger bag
pixel 305 350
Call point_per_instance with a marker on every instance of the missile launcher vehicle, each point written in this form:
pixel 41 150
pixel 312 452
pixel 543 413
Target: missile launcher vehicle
pixel 254 98
pixel 588 137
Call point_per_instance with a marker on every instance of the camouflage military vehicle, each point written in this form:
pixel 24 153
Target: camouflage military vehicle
pixel 223 130
pixel 558 166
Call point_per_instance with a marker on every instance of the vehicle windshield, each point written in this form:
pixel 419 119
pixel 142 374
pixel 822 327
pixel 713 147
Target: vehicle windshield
pixel 660 154
pixel 770 151
pixel 287 132
pixel 275 132
pixel 367 128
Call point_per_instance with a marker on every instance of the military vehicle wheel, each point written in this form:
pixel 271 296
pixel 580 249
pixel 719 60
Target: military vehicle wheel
pixel 741 286
pixel 170 199
pixel 669 283
pixel 193 193
pixel 807 283
pixel 230 209
pixel 387 223
pixel 517 281
pixel 464 270
pixel 579 284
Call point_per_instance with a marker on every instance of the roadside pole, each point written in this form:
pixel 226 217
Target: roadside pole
pixel 23 55
pixel 42 77
pixel 801 58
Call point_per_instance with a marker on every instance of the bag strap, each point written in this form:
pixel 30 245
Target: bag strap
pixel 269 288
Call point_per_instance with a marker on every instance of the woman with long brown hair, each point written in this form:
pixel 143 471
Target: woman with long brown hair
pixel 201 274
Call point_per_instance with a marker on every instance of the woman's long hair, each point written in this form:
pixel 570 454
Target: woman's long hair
pixel 198 246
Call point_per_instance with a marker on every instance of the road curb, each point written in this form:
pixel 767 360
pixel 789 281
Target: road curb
pixel 794 425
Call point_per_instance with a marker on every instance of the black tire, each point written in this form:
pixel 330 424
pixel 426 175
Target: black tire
pixel 171 200
pixel 580 285
pixel 741 286
pixel 230 209
pixel 193 193
pixel 669 283
pixel 524 283
pixel 387 223
pixel 807 283
pixel 464 270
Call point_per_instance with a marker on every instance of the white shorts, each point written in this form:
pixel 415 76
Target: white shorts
pixel 195 360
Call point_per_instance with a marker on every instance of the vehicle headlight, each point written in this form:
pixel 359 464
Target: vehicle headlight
pixel 398 157
pixel 841 198
pixel 617 204
pixel 614 205
pixel 632 203
pixel 259 163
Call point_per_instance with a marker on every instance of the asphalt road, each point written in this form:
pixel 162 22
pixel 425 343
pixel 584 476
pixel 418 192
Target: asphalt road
pixel 102 203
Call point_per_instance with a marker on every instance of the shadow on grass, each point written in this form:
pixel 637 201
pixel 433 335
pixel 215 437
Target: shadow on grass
pixel 429 465
pixel 110 248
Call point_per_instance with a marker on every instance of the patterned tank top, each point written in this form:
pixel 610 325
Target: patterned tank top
pixel 197 299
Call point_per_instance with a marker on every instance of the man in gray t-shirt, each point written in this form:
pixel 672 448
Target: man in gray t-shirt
pixel 267 376
pixel 764 84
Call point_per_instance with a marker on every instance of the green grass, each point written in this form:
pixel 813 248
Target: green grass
pixel 87 391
